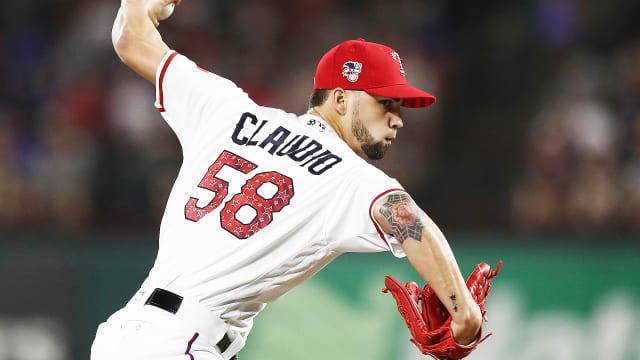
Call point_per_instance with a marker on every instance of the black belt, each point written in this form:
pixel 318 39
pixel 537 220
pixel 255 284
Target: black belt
pixel 168 301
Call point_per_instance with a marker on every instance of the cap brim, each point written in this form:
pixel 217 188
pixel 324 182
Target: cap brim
pixel 413 98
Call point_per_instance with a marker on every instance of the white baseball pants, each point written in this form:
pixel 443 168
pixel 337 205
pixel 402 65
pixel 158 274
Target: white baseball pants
pixel 146 332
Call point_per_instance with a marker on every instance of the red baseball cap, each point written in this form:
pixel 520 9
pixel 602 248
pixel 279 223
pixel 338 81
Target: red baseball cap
pixel 374 68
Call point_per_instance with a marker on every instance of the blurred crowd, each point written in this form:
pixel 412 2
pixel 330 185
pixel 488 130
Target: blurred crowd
pixel 582 151
pixel 82 146
pixel 582 160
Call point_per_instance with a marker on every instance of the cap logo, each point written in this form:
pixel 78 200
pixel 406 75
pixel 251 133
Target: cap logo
pixel 351 69
pixel 396 57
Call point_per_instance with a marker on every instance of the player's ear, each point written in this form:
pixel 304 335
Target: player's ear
pixel 338 97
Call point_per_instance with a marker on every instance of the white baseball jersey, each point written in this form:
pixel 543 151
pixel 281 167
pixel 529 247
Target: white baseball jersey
pixel 264 199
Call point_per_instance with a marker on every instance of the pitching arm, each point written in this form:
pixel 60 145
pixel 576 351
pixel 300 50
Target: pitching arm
pixel 135 37
pixel 429 253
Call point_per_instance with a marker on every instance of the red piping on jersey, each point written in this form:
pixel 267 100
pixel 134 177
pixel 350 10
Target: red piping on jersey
pixel 161 78
pixel 371 214
pixel 188 351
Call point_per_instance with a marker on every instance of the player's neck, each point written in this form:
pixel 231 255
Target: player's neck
pixel 331 118
pixel 339 125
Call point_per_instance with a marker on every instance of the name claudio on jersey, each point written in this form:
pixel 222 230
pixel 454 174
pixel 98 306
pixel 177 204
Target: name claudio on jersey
pixel 299 148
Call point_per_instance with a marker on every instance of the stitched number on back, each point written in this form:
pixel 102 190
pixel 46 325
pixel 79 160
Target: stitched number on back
pixel 210 182
pixel 248 198
pixel 264 208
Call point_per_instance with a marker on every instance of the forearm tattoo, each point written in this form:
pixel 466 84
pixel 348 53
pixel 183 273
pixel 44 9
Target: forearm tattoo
pixel 455 304
pixel 403 216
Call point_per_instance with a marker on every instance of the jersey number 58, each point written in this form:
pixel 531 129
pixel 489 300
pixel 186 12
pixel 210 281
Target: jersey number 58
pixel 248 196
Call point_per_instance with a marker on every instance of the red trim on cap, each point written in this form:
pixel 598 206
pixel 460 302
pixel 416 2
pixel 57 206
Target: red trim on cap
pixel 162 72
pixel 371 213
pixel 418 102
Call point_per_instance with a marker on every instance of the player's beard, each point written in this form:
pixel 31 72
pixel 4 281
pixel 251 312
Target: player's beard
pixel 374 150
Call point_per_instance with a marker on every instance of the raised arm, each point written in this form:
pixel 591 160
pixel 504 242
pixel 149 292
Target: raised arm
pixel 430 254
pixel 135 37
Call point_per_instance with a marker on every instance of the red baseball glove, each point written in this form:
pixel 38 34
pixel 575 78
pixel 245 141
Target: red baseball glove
pixel 430 322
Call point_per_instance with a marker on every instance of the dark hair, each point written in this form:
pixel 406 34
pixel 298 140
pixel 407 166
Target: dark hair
pixel 318 97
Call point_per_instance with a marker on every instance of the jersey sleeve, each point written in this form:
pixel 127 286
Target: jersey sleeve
pixel 190 98
pixel 352 221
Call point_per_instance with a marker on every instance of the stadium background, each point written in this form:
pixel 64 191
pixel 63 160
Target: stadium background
pixel 531 155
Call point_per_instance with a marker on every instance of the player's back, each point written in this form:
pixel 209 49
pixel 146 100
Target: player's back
pixel 263 200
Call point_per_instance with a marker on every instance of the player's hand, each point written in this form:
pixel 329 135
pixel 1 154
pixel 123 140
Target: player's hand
pixel 155 7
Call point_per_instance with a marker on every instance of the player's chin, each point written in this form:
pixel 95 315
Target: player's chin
pixel 376 151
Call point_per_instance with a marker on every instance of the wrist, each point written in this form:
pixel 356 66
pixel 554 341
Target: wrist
pixel 466 329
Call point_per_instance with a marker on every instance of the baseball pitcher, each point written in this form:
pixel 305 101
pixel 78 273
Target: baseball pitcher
pixel 264 199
